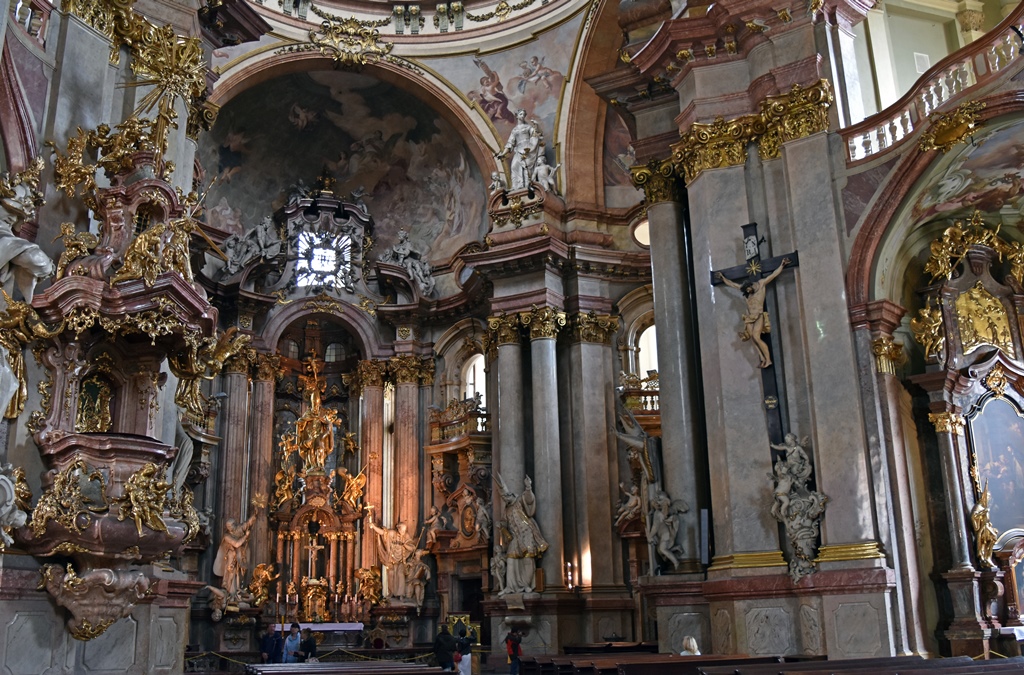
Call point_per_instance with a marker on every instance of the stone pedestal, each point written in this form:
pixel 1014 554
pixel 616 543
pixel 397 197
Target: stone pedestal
pixel 548 620
pixel 967 634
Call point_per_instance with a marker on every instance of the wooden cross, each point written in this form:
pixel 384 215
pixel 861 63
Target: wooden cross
pixel 751 278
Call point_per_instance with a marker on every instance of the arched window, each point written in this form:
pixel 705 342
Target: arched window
pixel 647 352
pixel 473 379
pixel 290 348
pixel 335 352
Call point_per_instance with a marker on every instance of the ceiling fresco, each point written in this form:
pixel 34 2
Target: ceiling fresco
pixel 413 170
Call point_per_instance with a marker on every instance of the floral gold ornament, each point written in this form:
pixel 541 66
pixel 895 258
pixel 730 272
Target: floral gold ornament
pixel 798 114
pixel 144 497
pixel 543 322
pixel 928 331
pixel 996 381
pixel 947 423
pixel 504 328
pixel 349 43
pixel 593 327
pixel 502 11
pixel 75 496
pixel 948 129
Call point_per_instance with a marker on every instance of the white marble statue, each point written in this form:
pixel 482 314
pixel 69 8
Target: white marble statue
pixel 526 543
pixel 663 526
pixel 483 520
pixel 544 174
pixel 525 144
pixel 417 574
pixel 498 183
pixel 796 506
pixel 404 255
pixel 20 259
pixel 11 514
pixel 630 507
pixel 499 568
pixel 436 522
pixel 263 242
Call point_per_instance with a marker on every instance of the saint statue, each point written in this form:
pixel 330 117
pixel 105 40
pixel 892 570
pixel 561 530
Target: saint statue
pixel 417 575
pixel 20 199
pixel 985 534
pixel 393 550
pixel 755 321
pixel 232 554
pixel 525 143
pixel 526 543
pixel 663 526
pixel 404 255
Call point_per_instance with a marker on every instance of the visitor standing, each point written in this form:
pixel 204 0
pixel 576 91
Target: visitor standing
pixel 465 648
pixel 308 645
pixel 444 647
pixel 292 645
pixel 512 644
pixel 271 645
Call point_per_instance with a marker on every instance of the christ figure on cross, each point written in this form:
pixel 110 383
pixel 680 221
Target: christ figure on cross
pixel 755 321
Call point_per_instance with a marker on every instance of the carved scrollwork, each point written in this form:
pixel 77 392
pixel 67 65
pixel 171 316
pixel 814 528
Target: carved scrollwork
pixel 593 327
pixel 543 322
pixel 75 496
pixel 504 329
pixel 351 44
pixel 96 599
pixel 145 495
pixel 947 129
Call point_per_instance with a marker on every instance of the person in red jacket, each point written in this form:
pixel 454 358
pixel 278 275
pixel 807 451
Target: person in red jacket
pixel 515 651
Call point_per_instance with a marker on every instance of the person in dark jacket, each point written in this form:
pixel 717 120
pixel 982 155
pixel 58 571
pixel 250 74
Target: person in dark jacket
pixel 271 646
pixel 308 645
pixel 444 645
pixel 512 642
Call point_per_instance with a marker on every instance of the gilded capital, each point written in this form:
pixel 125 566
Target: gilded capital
pixel 719 144
pixel 888 354
pixel 659 181
pixel 947 423
pixel 267 367
pixel 593 327
pixel 427 368
pixel 798 114
pixel 240 361
pixel 543 322
pixel 405 368
pixel 371 373
pixel 504 329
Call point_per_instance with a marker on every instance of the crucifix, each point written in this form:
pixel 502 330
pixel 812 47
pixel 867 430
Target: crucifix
pixel 314 549
pixel 752 279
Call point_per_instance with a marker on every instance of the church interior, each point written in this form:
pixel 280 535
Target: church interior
pixel 603 321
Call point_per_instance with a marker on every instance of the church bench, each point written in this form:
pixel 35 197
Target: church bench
pixel 611 665
pixel 961 665
pixel 692 665
pixel 811 666
pixel 343 668
pixel 611 648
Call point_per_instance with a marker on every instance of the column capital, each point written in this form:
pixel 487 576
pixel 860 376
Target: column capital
pixel 370 373
pixel 947 423
pixel 504 329
pixel 267 367
pixel 241 361
pixel 543 322
pixel 718 144
pixel 405 368
pixel 659 181
pixel 593 327
pixel 888 354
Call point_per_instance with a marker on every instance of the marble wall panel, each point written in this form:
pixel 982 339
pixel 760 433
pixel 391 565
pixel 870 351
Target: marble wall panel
pixel 769 630
pixel 681 624
pixel 114 651
pixel 857 626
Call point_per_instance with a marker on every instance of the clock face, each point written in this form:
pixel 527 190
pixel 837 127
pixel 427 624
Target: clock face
pixel 750 247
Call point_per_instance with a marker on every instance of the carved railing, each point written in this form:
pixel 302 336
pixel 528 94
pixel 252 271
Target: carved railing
pixel 641 395
pixel 460 418
pixel 952 78
pixel 31 16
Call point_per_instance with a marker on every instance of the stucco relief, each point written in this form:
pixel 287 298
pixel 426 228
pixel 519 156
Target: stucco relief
pixel 768 631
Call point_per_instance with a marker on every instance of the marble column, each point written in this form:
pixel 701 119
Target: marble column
pixel 512 448
pixel 590 351
pixel 949 427
pixel 234 448
pixel 544 323
pixel 370 375
pixel 840 446
pixel 261 461
pixel 673 325
pixel 406 371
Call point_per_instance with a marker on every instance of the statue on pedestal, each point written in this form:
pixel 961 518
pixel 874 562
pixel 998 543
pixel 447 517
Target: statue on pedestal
pixel 525 541
pixel 417 574
pixel 20 199
pixel 231 556
pixel 393 550
pixel 404 255
pixel 630 507
pixel 525 143
pixel 985 534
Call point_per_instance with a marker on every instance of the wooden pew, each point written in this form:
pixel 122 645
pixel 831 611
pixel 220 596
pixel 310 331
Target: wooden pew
pixel 810 666
pixel 343 668
pixel 962 665
pixel 692 665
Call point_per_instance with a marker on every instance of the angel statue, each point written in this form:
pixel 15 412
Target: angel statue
pixel 663 526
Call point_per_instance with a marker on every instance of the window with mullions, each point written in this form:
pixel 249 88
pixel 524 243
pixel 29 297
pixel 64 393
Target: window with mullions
pixel 325 260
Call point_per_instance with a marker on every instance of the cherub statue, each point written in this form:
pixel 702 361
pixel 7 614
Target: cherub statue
pixel 630 508
pixel 544 174
pixel 262 575
pixel 76 245
pixel 435 522
pixel 498 182
pixel 369 585
pixel 218 602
